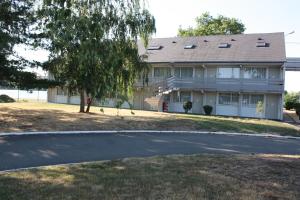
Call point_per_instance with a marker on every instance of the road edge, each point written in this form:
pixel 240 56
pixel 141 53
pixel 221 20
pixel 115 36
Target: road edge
pixel 144 131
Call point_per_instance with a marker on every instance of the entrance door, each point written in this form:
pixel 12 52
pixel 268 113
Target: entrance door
pixel 197 103
pixel 272 106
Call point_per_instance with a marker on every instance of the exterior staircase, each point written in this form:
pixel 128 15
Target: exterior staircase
pixel 161 88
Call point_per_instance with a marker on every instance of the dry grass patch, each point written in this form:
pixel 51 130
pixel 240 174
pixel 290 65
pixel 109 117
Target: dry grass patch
pixel 30 116
pixel 231 177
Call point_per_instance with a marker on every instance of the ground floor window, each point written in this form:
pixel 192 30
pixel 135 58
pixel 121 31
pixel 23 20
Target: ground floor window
pixel 62 91
pixel 182 96
pixel 251 100
pixel 228 98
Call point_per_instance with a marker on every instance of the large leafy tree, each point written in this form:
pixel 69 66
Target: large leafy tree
pixel 16 20
pixel 92 44
pixel 208 25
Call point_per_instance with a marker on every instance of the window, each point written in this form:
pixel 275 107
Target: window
pixel 183 72
pixel 182 96
pixel 74 92
pixel 177 72
pixel 62 91
pixel 255 73
pixel 164 72
pixel 256 98
pixel 224 45
pixel 186 72
pixel 228 98
pixel 191 46
pixel 261 44
pixel 185 96
pixel 251 100
pixel 176 97
pixel 154 47
pixel 228 72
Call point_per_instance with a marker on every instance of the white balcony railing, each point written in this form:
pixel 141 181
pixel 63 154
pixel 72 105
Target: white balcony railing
pixel 217 84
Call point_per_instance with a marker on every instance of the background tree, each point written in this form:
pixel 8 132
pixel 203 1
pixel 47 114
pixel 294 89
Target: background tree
pixel 16 18
pixel 208 25
pixel 291 99
pixel 92 44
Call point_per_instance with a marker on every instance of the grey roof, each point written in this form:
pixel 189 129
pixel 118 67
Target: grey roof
pixel 292 64
pixel 242 48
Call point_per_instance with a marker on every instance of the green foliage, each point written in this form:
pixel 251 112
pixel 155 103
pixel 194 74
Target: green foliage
pixel 290 100
pixel 187 106
pixel 93 46
pixel 6 99
pixel 208 25
pixel 297 108
pixel 260 108
pixel 208 109
pixel 16 22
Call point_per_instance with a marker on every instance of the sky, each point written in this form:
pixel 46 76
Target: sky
pixel 259 16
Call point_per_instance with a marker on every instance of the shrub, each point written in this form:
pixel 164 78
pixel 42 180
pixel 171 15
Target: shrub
pixel 289 105
pixel 6 99
pixel 297 107
pixel 187 106
pixel 260 108
pixel 290 100
pixel 208 109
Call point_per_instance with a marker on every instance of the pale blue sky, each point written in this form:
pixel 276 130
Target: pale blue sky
pixel 259 16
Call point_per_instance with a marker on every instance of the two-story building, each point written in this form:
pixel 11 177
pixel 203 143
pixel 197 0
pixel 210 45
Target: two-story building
pixel 231 73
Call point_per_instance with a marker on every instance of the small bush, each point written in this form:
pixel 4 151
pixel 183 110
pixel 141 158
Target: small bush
pixel 208 109
pixel 6 99
pixel 289 105
pixel 290 100
pixel 297 107
pixel 187 106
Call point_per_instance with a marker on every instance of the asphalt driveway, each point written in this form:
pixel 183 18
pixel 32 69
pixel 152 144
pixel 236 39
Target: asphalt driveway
pixel 39 150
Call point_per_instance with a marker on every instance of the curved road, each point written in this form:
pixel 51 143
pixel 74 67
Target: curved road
pixel 38 150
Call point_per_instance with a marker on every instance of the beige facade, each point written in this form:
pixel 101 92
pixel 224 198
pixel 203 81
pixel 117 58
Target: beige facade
pixel 203 85
pixel 238 75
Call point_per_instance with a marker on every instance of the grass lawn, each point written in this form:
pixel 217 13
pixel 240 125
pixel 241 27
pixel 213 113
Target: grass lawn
pixel 32 116
pixel 247 177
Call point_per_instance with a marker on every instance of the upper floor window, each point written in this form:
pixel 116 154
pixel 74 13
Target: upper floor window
pixel 255 73
pixel 163 72
pixel 183 72
pixel 228 98
pixel 228 72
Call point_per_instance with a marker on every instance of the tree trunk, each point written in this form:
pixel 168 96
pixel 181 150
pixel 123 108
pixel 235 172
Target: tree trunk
pixel 88 105
pixel 82 102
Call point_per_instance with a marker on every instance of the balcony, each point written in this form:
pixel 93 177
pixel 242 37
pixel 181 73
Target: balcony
pixel 234 85
pixel 152 82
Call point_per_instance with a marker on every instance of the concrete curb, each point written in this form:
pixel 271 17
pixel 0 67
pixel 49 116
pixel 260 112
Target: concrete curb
pixel 144 131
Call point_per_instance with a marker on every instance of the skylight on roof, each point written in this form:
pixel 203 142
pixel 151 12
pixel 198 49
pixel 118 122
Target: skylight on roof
pixel 224 45
pixel 191 46
pixel 261 44
pixel 158 47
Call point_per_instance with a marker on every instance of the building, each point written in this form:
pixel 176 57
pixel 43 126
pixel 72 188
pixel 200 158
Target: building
pixel 231 73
